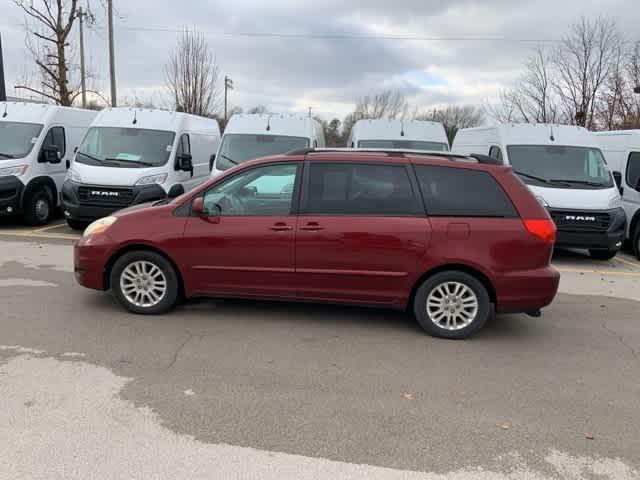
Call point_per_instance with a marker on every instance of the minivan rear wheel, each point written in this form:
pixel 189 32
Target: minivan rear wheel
pixel 145 283
pixel 452 304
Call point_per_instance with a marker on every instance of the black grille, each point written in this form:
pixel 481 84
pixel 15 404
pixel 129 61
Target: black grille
pixel 581 221
pixel 105 196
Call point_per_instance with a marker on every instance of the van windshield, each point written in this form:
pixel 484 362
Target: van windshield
pixel 17 139
pixel 405 144
pixel 125 147
pixel 560 166
pixel 239 148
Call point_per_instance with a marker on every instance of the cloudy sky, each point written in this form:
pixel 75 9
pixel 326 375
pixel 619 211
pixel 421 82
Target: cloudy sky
pixel 293 54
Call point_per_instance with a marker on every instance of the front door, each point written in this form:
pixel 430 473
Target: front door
pixel 631 186
pixel 361 233
pixel 245 247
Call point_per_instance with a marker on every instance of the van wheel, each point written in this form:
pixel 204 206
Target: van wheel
pixel 452 305
pixel 636 242
pixel 603 254
pixel 76 224
pixel 145 283
pixel 38 208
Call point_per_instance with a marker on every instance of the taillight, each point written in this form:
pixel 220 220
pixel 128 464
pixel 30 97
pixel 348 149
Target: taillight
pixel 543 229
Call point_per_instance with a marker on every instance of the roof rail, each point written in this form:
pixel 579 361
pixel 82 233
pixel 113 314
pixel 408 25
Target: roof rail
pixel 484 159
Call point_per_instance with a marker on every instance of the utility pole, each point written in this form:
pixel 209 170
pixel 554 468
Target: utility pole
pixel 228 85
pixel 112 62
pixel 81 16
pixel 3 90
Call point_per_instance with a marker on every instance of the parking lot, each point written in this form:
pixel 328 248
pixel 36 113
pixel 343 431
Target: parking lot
pixel 278 390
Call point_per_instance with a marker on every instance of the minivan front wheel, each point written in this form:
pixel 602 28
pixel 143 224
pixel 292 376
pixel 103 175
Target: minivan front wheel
pixel 145 283
pixel 452 304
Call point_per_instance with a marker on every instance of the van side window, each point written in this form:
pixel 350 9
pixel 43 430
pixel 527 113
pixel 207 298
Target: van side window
pixel 633 171
pixel 55 136
pixel 496 153
pixel 360 189
pixel 185 144
pixel 457 192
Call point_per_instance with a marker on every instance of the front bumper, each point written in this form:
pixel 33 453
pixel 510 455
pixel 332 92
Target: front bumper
pixel 576 236
pixel 11 189
pixel 77 207
pixel 90 257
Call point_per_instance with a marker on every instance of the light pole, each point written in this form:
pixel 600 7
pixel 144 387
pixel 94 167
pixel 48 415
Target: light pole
pixel 3 91
pixel 228 85
pixel 112 61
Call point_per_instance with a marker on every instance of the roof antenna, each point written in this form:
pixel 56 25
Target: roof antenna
pixel 551 136
pixel 268 123
pixel 135 117
pixel 402 128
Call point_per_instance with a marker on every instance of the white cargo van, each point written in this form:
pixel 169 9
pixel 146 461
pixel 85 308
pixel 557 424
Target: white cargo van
pixel 131 156
pixel 253 136
pixel 36 145
pixel 411 135
pixel 622 151
pixel 564 167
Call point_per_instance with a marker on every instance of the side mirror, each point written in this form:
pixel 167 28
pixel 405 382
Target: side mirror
pixel 184 162
pixel 50 154
pixel 175 191
pixel 617 176
pixel 212 160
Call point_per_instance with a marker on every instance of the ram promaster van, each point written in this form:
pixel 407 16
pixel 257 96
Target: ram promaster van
pixel 132 156
pixel 566 170
pixel 252 136
pixel 398 134
pixel 36 146
pixel 622 151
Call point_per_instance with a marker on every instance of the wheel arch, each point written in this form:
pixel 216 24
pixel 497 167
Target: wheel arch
pixel 455 267
pixel 634 224
pixel 39 182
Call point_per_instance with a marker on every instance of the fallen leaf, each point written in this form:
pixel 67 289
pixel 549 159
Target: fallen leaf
pixel 504 426
pixel 408 395
pixel 589 436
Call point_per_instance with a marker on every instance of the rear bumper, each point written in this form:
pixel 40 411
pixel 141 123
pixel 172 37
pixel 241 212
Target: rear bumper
pixel 527 291
pixel 75 209
pixel 90 256
pixel 10 195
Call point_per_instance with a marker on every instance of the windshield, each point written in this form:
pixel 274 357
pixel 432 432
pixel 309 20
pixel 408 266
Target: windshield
pixel 238 148
pixel 125 147
pixel 560 166
pixel 404 144
pixel 17 139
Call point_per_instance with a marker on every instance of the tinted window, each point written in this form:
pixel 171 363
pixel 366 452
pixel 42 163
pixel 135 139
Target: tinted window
pixel 359 189
pixel 261 191
pixel 457 192
pixel 633 171
pixel 55 136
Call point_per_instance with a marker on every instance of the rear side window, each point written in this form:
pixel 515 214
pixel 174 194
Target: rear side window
pixel 457 192
pixel 633 170
pixel 359 189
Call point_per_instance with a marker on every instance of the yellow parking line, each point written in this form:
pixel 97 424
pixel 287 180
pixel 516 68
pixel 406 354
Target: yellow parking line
pixel 28 234
pixel 599 272
pixel 635 265
pixel 50 227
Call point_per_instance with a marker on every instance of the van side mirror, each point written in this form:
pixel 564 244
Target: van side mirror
pixel 617 176
pixel 50 154
pixel 184 162
pixel 212 160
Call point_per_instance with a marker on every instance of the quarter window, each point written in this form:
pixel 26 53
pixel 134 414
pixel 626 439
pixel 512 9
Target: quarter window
pixel 458 192
pixel 261 191
pixel 359 189
pixel 55 136
pixel 633 171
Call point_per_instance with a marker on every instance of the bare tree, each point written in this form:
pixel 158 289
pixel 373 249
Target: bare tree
pixel 455 117
pixel 583 62
pixel 192 75
pixel 258 110
pixel 389 104
pixel 53 21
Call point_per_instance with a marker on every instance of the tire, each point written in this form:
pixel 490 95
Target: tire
pixel 76 224
pixel 636 242
pixel 466 324
pixel 38 207
pixel 155 266
pixel 603 254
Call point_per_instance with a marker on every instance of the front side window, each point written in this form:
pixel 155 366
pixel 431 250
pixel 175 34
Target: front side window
pixel 458 192
pixel 55 136
pixel 560 166
pixel 17 139
pixel 359 189
pixel 404 145
pixel 261 191
pixel 633 171
pixel 239 148
pixel 126 147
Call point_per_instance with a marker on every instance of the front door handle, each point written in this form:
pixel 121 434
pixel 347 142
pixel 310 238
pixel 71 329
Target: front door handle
pixel 281 227
pixel 312 227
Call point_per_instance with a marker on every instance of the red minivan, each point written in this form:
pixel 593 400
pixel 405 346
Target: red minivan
pixel 450 238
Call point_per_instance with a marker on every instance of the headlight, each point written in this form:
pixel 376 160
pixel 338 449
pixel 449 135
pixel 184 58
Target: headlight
pixel 99 226
pixel 542 201
pixel 13 171
pixel 615 202
pixel 153 179
pixel 73 176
